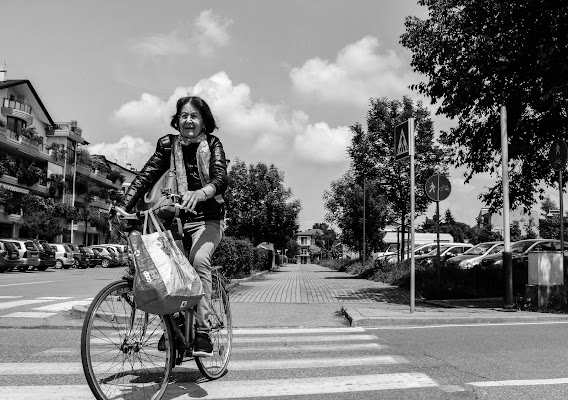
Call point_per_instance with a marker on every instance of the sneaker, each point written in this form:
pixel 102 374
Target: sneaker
pixel 202 346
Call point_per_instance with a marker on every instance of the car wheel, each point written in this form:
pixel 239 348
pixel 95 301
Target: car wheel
pixel 75 264
pixel 58 264
pixel 104 263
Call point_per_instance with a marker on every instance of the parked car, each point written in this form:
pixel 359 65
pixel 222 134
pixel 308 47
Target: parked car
pixel 102 257
pixel 475 255
pixel 63 255
pixel 419 250
pixel 29 253
pixel 46 254
pixel 9 256
pixel 81 260
pixel 116 260
pixel 446 251
pixel 88 254
pixel 519 259
pixel 120 250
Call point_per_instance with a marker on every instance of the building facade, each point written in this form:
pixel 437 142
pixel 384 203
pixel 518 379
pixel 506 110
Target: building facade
pixel 306 241
pixel 35 148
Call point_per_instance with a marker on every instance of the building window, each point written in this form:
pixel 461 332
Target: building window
pixel 15 124
pixel 304 241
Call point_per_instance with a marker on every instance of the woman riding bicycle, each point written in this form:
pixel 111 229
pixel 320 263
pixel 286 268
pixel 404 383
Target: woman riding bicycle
pixel 201 174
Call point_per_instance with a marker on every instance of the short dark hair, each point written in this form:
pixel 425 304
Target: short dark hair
pixel 201 106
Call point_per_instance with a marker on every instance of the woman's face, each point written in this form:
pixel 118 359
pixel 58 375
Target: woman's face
pixel 190 121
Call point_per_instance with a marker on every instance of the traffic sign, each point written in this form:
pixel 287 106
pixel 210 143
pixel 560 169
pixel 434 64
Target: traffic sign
pixel 437 187
pixel 557 154
pixel 404 139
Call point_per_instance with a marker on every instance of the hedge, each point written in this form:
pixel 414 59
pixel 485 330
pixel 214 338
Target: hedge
pixel 239 258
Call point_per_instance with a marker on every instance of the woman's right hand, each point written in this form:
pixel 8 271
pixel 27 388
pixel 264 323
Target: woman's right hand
pixel 191 198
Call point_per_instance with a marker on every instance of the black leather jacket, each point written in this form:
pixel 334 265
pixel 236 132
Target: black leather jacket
pixel 160 162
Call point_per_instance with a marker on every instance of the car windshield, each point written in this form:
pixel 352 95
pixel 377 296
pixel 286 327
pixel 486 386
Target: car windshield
pixel 442 248
pixel 497 249
pixel 522 246
pixel 67 248
pixel 479 249
pixel 392 247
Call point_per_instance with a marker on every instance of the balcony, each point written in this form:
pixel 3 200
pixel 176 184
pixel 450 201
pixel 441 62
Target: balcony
pixel 17 109
pixel 67 129
pixel 23 145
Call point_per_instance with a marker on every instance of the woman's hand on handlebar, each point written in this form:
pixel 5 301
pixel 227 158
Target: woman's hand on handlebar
pixel 191 198
pixel 115 210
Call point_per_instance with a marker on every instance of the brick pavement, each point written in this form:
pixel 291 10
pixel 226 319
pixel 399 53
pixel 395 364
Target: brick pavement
pixel 309 283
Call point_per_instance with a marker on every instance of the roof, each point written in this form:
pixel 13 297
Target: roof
pixel 310 232
pixel 15 82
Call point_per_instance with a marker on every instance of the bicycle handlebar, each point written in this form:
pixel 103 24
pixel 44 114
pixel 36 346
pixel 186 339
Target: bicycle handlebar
pixel 121 212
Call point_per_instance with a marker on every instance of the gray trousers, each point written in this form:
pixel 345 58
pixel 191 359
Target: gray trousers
pixel 205 237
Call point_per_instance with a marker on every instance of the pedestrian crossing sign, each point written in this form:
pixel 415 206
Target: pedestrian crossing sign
pixel 404 139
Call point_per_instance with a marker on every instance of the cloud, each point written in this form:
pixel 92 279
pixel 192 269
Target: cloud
pixel 253 128
pixel 127 150
pixel 358 73
pixel 323 144
pixel 209 33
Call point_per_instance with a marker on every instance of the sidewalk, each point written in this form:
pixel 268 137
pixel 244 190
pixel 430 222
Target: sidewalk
pixel 310 289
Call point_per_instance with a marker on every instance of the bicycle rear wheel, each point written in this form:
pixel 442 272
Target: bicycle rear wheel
pixel 119 347
pixel 221 332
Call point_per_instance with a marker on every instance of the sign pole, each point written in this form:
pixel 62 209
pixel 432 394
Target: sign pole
pixel 412 264
pixel 561 225
pixel 438 239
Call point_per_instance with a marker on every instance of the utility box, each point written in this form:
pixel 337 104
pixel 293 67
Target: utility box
pixel 545 277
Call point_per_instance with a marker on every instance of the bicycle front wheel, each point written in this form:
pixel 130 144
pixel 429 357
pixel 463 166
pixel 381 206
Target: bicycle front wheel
pixel 119 347
pixel 221 332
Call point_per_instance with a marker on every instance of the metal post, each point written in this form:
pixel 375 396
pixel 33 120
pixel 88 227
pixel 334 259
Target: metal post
pixel 412 271
pixel 438 238
pixel 561 224
pixel 64 174
pixel 507 258
pixel 364 221
pixel 73 197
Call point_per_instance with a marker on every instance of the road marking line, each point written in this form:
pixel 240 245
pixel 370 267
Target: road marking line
pixel 243 389
pixel 53 298
pixel 266 350
pixel 269 331
pixel 272 339
pixel 397 327
pixel 238 365
pixel 10 297
pixel 526 382
pixel 18 303
pixel 26 283
pixel 62 306
pixel 29 314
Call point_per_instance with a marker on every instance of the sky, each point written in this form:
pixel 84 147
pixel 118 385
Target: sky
pixel 284 78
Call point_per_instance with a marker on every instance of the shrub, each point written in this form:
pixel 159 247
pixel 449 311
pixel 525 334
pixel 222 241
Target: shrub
pixel 239 258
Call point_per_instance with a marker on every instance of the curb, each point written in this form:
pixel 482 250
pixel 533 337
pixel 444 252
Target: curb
pixel 357 319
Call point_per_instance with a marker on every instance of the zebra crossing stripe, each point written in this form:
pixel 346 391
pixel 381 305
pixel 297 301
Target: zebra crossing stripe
pixel 53 298
pixel 29 314
pixel 278 339
pixel 62 306
pixel 19 303
pixel 295 331
pixel 519 382
pixel 237 365
pixel 10 297
pixel 221 389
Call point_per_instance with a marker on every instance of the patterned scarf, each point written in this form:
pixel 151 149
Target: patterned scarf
pixel 203 157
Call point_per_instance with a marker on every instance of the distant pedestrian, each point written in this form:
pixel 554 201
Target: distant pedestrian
pixel 201 171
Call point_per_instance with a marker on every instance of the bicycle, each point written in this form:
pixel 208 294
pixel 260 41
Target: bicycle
pixel 119 343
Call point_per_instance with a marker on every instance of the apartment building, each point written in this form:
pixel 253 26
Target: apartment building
pixel 44 157
pixel 306 241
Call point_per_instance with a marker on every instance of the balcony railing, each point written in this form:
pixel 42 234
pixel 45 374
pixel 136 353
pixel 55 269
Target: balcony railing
pixel 17 105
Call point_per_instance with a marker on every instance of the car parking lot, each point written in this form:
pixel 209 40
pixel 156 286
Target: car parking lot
pixel 26 255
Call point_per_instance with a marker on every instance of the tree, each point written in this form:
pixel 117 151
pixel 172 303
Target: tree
pixel 259 207
pixel 372 155
pixel 449 217
pixel 326 240
pixel 530 229
pixel 476 55
pixel 515 231
pixel 344 205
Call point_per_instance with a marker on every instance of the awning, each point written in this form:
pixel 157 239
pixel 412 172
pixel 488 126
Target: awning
pixel 14 188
